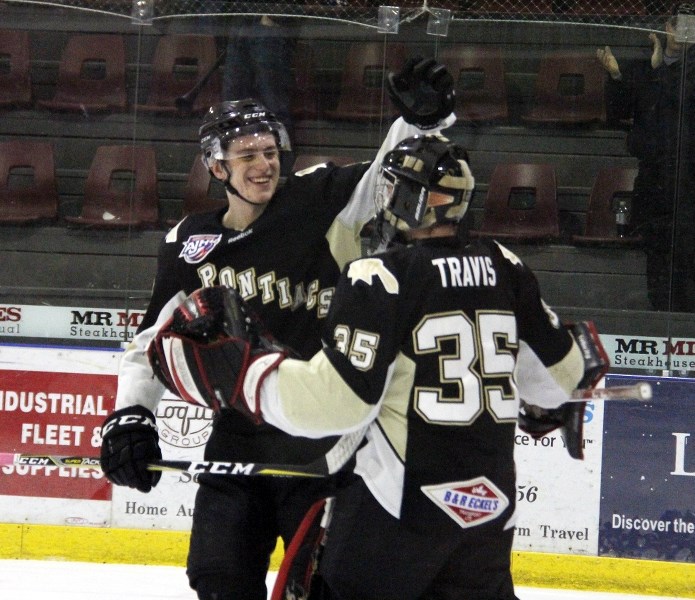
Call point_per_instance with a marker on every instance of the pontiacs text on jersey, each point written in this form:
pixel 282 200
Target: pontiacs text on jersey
pixel 288 295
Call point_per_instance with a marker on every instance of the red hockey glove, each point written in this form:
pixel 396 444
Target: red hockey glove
pixel 203 352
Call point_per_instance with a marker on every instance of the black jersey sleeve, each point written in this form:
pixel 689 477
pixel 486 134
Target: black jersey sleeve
pixel 549 362
pixel 361 340
pixel 341 200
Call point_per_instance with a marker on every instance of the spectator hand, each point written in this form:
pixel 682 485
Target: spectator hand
pixel 423 92
pixel 657 51
pixel 129 442
pixel 608 61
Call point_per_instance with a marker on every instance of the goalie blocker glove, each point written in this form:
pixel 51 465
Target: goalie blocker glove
pixel 569 417
pixel 129 443
pixel 423 92
pixel 203 353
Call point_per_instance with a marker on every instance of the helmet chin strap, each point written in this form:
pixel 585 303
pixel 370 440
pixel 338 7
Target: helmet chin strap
pixel 231 189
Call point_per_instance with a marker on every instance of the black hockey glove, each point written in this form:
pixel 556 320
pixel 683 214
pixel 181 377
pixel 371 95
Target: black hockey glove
pixel 129 443
pixel 423 92
pixel 569 417
pixel 203 352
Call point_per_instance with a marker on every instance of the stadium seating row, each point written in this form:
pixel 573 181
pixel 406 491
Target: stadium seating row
pixel 92 73
pixel 121 188
pixel 121 191
pixel 569 86
pixel 521 206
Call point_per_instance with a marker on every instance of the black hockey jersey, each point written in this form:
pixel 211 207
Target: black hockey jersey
pixel 285 264
pixel 424 344
pixel 282 264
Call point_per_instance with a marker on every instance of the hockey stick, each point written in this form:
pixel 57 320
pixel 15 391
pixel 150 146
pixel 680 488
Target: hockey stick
pixel 184 104
pixel 329 463
pixel 639 391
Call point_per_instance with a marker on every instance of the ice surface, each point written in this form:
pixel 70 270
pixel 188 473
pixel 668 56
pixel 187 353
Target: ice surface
pixel 60 580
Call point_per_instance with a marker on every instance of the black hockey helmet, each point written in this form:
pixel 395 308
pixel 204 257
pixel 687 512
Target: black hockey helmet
pixel 425 180
pixel 229 120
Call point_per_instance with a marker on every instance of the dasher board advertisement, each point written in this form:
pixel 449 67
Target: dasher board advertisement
pixel 558 497
pixel 105 325
pixel 53 401
pixel 648 474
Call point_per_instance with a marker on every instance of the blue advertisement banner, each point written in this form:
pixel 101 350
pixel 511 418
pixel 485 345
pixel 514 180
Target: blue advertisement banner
pixel 647 505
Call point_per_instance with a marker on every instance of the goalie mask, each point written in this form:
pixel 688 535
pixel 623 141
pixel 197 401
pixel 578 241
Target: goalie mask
pixel 424 180
pixel 246 120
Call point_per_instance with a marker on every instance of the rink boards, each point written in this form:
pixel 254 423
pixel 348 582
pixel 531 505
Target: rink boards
pixel 622 519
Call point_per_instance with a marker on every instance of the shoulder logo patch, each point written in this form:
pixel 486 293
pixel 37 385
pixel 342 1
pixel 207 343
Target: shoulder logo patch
pixel 509 255
pixel 366 269
pixel 469 503
pixel 197 247
pixel 552 315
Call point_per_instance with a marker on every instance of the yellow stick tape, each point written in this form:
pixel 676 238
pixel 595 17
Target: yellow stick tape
pixel 158 547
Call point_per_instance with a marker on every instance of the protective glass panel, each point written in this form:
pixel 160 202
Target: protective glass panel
pixel 102 101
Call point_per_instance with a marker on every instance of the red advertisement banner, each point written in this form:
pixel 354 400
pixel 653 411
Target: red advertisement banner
pixel 54 413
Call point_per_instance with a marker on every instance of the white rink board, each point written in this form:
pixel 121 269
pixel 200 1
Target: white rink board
pixel 55 511
pixel 183 432
pixel 111 325
pixel 59 360
pixel 559 497
pixel 29 415
pixel 558 509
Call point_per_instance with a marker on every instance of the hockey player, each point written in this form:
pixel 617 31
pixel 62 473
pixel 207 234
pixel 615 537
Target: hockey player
pixel 283 248
pixel 432 344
